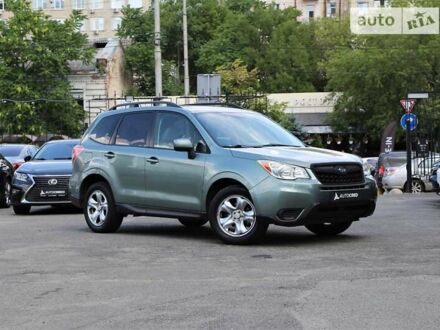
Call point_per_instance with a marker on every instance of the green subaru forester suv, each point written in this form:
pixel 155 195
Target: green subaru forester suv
pixel 232 167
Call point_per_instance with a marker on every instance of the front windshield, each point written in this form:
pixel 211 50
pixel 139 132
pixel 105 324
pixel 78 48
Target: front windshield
pixel 55 151
pixel 245 129
pixel 11 151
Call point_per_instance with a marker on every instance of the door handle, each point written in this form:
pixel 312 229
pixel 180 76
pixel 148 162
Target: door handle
pixel 152 160
pixel 109 155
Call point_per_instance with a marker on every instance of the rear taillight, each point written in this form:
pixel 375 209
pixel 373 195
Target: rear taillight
pixel 381 170
pixel 76 151
pixel 17 164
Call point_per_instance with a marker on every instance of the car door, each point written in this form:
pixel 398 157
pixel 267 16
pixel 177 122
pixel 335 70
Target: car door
pixel 128 157
pixel 172 179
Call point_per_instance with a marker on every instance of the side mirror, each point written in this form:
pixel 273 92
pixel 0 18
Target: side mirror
pixel 27 158
pixel 185 145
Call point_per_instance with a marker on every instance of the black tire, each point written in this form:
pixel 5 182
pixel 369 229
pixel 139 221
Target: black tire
pixel 256 228
pixel 5 194
pixel 189 222
pixel 110 220
pixel 21 209
pixel 329 229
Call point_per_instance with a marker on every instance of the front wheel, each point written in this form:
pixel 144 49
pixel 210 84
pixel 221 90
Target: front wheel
pixel 329 229
pixel 5 199
pixel 233 217
pixel 100 209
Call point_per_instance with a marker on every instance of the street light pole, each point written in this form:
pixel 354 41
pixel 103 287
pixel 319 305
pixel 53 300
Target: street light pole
pixel 185 49
pixel 157 51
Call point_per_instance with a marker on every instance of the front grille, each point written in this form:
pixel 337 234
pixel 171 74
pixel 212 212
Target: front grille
pixel 338 174
pixel 43 192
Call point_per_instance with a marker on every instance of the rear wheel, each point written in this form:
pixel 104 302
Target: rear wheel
pixel 21 209
pixel 329 229
pixel 417 186
pixel 233 217
pixel 100 209
pixel 5 199
pixel 190 222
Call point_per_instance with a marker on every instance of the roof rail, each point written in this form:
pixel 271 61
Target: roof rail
pixel 217 104
pixel 138 104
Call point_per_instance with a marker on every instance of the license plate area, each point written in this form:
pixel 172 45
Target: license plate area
pixel 53 193
pixel 345 196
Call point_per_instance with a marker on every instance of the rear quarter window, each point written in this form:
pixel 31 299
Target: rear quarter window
pixel 103 131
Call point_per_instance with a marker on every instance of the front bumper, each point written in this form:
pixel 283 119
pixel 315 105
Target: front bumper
pixel 302 202
pixel 39 194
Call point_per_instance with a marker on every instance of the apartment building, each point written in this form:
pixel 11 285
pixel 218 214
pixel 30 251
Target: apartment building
pixel 324 8
pixel 103 16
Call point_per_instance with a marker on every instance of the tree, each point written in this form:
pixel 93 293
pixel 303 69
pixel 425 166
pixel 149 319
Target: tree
pixel 34 55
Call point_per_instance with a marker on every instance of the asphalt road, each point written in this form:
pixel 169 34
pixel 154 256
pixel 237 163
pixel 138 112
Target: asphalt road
pixel 384 273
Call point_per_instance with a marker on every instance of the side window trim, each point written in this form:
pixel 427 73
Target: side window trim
pixel 154 131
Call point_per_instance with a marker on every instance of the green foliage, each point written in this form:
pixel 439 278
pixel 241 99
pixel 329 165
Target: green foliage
pixel 34 55
pixel 219 33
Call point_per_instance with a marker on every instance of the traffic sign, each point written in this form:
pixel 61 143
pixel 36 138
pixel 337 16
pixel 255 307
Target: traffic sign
pixel 408 105
pixel 412 121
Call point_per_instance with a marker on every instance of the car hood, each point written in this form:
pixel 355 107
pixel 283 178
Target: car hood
pixel 301 156
pixel 47 167
pixel 14 159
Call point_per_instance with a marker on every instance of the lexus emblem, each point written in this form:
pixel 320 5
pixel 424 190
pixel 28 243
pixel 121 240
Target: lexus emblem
pixel 341 170
pixel 52 182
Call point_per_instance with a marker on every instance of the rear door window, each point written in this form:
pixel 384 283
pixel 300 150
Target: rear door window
pixel 103 131
pixel 135 129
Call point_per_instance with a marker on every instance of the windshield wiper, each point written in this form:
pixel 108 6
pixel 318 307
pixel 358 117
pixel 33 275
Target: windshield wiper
pixel 237 146
pixel 65 158
pixel 275 145
pixel 39 159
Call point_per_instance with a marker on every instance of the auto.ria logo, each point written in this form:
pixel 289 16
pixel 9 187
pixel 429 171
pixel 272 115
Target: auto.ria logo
pixel 394 20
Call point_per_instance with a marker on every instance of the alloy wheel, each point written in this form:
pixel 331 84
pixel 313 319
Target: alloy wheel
pixel 7 194
pixel 97 208
pixel 416 187
pixel 236 216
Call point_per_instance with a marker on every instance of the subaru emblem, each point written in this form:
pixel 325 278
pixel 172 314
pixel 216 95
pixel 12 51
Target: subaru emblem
pixel 341 170
pixel 52 182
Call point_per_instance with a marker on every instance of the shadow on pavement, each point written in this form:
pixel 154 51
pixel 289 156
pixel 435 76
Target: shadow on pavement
pixel 274 237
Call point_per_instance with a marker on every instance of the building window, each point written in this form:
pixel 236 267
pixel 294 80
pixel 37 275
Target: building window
pixel 2 5
pixel 78 4
pixel 97 24
pixel 331 9
pixel 135 3
pixel 96 4
pixel 310 11
pixel 39 4
pixel 117 4
pixel 58 4
pixel 116 22
pixel 362 4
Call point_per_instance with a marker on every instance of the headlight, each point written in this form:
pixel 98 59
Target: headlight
pixel 284 171
pixel 22 180
pixel 21 176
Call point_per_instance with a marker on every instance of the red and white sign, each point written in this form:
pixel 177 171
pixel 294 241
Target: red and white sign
pixel 408 105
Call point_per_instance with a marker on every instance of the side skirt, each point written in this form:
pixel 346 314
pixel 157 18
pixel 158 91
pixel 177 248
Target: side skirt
pixel 152 212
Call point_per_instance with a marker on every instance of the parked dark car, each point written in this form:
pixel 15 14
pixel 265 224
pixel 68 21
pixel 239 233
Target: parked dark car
pixel 44 180
pixel 16 153
pixel 6 172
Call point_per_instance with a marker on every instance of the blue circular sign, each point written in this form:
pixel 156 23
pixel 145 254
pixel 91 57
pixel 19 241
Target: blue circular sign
pixel 412 121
